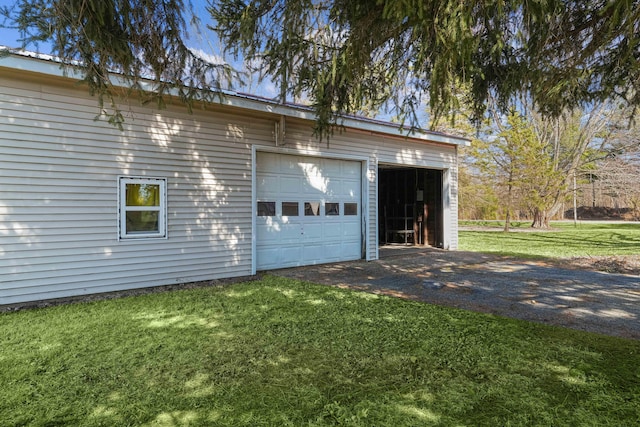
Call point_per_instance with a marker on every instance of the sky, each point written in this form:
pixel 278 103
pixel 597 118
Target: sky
pixel 8 37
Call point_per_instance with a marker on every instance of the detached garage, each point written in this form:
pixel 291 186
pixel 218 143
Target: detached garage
pixel 229 190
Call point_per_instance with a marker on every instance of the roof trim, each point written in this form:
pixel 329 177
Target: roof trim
pixel 51 66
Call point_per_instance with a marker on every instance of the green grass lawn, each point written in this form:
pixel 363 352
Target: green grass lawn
pixel 284 353
pixel 564 240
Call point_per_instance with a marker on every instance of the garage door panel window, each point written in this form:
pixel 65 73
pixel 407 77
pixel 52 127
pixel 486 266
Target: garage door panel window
pixel 290 209
pixel 311 208
pixel 142 204
pixel 332 209
pixel 350 209
pixel 266 208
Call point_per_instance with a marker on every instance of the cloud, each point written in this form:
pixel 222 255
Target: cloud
pixel 208 57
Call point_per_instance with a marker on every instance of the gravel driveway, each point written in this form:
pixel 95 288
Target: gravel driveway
pixel 537 291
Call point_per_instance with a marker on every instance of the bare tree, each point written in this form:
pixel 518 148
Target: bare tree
pixel 572 140
pixel 619 178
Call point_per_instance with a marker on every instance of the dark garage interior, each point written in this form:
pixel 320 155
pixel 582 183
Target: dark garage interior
pixel 410 206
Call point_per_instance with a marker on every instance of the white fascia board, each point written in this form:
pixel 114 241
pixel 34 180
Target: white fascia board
pixel 348 122
pixel 38 63
pixel 51 66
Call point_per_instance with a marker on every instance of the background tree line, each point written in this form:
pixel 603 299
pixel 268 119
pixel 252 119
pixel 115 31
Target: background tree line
pixel 523 165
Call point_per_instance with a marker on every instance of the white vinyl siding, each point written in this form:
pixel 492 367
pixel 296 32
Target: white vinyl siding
pixel 59 201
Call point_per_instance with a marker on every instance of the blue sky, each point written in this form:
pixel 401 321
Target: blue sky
pixel 8 37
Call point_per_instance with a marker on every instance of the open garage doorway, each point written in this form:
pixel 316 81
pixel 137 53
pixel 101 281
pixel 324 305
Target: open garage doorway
pixel 410 206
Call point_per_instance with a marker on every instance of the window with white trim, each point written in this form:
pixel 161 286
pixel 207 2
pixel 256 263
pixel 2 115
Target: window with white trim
pixel 142 207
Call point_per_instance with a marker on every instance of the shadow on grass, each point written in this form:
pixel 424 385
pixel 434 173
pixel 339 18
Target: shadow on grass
pixel 630 226
pixel 283 352
pixel 556 225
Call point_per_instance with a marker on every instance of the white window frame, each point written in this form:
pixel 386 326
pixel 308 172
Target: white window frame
pixel 123 208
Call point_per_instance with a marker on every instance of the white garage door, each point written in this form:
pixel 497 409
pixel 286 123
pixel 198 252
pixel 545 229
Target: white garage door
pixel 308 210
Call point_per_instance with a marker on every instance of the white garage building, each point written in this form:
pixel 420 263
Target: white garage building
pixel 231 189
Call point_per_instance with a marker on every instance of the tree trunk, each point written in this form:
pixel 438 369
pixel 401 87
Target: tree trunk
pixel 507 220
pixel 540 219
